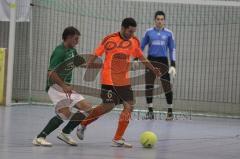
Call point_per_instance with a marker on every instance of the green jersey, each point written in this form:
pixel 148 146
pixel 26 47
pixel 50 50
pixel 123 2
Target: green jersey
pixel 59 56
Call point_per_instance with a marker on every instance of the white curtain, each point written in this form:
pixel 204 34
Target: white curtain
pixel 22 10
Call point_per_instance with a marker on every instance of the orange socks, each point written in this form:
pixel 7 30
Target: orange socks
pixel 124 118
pixel 94 115
pixel 122 124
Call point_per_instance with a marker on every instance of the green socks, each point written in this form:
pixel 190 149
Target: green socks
pixel 73 123
pixel 56 121
pixel 53 124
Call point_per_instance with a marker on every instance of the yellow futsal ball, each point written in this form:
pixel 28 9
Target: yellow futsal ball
pixel 148 139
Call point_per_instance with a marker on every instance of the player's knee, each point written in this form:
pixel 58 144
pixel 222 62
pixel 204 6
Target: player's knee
pixel 128 107
pixel 64 112
pixel 108 107
pixel 84 105
pixel 132 103
pixel 131 109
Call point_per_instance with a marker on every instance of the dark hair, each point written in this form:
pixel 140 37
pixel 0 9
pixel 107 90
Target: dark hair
pixel 70 31
pixel 160 13
pixel 127 22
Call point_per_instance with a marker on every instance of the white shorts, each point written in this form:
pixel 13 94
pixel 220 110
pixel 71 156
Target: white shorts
pixel 60 100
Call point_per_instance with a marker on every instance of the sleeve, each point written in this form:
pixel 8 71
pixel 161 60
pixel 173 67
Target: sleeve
pixel 100 49
pixel 56 58
pixel 145 40
pixel 137 50
pixel 172 49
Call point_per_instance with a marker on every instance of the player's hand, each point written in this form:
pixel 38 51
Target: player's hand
pixel 172 71
pixel 157 71
pixel 135 64
pixel 68 90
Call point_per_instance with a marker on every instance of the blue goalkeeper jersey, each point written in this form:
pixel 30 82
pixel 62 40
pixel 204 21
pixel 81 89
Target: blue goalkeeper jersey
pixel 159 42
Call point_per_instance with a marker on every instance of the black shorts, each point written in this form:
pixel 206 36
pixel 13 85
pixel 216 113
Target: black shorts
pixel 116 94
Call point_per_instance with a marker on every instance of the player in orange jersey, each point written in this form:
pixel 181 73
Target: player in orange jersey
pixel 116 88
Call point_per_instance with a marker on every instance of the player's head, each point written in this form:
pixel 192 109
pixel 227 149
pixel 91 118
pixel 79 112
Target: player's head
pixel 129 26
pixel 159 19
pixel 70 36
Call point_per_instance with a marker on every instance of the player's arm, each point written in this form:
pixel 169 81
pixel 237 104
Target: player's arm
pixel 145 61
pixel 52 74
pixel 66 88
pixel 139 54
pixel 172 55
pixel 98 52
pixel 91 60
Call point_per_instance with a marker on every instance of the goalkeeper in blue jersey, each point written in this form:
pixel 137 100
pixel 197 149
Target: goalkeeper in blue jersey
pixel 161 45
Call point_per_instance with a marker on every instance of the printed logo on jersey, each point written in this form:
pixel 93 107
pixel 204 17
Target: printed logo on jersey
pixel 158 42
pixel 125 44
pixel 164 37
pixel 110 45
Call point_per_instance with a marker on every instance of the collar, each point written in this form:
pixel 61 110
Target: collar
pixel 159 29
pixel 62 44
pixel 119 33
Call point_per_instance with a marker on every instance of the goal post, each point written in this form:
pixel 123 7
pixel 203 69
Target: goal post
pixel 3 59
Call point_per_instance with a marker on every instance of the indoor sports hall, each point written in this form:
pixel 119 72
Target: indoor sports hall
pixel 206 87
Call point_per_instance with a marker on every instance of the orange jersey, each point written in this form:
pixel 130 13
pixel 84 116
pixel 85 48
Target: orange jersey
pixel 116 65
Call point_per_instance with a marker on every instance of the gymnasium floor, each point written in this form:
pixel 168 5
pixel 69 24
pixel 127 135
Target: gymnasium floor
pixel 208 138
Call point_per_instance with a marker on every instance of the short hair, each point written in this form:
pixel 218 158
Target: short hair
pixel 127 22
pixel 159 13
pixel 70 31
